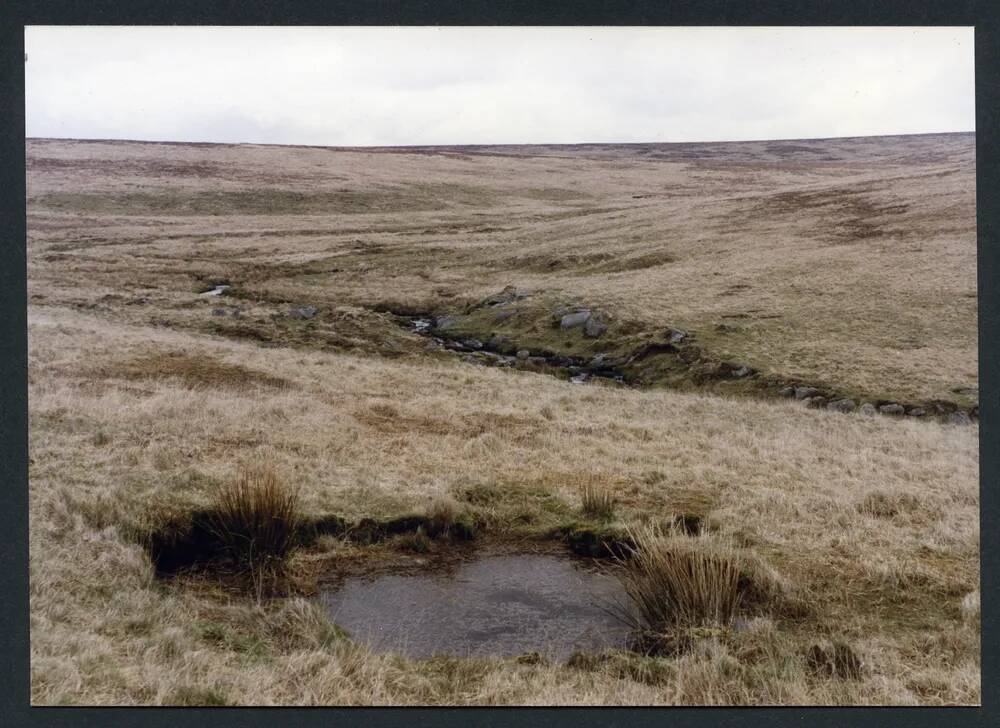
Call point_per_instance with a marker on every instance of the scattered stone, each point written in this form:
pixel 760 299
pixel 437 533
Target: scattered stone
pixel 421 325
pixel 573 320
pixel 842 405
pixel 218 312
pixel 594 328
pixel 892 409
pixel 523 354
pixel 498 343
pixel 138 301
pixel 580 378
pixel 867 409
pixel 446 322
pixel 959 418
pixel 816 402
pixel 507 295
pixel 805 392
pixel 786 392
pixel 472 343
pixel 676 336
pixel 217 291
pixel 742 372
pixel 597 360
pixel 916 412
pixel 303 312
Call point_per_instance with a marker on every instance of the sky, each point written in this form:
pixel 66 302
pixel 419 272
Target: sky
pixel 344 86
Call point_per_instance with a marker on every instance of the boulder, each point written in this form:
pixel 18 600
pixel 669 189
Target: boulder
pixel 916 412
pixel 892 409
pixel 594 328
pixel 842 405
pixel 498 343
pixel 446 322
pixel 302 312
pixel 805 392
pixel 867 409
pixel 676 336
pixel 743 371
pixel 573 320
pixel 959 418
pixel 472 344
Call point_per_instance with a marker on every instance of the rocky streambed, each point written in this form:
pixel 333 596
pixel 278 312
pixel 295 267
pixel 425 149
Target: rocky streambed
pixel 673 359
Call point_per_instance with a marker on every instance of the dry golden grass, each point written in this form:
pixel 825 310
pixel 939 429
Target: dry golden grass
pixel 852 264
pixel 676 582
pixel 784 483
pixel 597 501
pixel 139 409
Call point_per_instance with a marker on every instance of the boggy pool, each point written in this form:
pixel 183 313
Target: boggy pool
pixel 493 604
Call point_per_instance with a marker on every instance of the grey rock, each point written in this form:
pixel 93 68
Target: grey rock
pixel 786 392
pixel 504 315
pixel 597 360
pixel 498 343
pixel 217 291
pixel 560 311
pixel 594 328
pixel 805 392
pixel 523 354
pixel 867 409
pixel 303 312
pixel 472 343
pixel 916 412
pixel 676 336
pixel 580 378
pixel 218 312
pixel 742 372
pixel 573 320
pixel 816 402
pixel 446 322
pixel 959 418
pixel 892 409
pixel 842 405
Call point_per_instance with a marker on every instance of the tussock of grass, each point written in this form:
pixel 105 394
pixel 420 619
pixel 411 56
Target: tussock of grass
pixel 597 502
pixel 255 517
pixel 675 582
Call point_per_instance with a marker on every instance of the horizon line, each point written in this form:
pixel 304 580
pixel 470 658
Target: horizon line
pixel 486 144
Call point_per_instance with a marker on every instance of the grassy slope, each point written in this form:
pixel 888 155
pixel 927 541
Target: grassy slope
pixel 373 436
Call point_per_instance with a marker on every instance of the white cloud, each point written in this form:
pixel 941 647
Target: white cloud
pixel 374 86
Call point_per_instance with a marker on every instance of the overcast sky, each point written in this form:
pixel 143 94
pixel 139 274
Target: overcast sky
pixel 390 86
